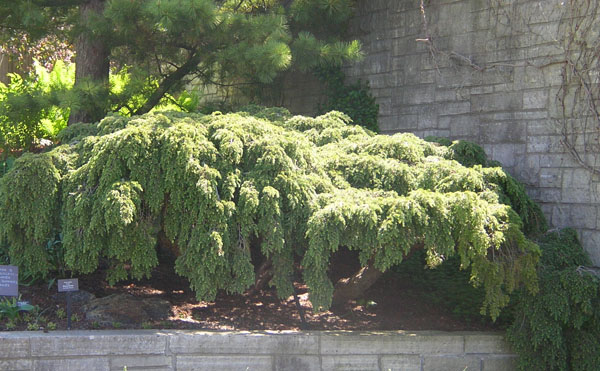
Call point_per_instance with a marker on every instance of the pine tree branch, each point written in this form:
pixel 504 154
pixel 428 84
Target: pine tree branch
pixel 169 82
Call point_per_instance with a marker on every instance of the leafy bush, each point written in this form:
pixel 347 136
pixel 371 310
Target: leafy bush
pixel 229 191
pixel 559 328
pixel 10 308
pixel 30 109
pixel 355 100
pixel 38 106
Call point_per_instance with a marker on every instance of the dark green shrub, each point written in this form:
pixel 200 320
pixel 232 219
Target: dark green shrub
pixel 466 153
pixel 355 100
pixel 559 328
pixel 5 164
pixel 446 285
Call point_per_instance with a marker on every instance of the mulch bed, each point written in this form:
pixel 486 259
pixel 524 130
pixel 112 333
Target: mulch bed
pixel 391 304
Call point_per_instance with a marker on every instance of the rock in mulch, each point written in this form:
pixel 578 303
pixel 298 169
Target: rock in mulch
pixel 126 309
pixel 80 297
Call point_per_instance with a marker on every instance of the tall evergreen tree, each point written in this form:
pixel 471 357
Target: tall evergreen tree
pixel 165 43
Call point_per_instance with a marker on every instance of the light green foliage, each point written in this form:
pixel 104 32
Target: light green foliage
pixel 511 192
pixel 30 108
pixel 226 187
pixel 559 329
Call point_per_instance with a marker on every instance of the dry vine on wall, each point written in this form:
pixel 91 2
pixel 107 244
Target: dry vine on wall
pixel 579 94
pixel 578 36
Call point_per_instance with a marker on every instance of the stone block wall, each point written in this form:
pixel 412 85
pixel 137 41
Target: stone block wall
pixel 492 72
pixel 260 351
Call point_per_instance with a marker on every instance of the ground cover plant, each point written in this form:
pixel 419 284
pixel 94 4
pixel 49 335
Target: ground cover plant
pixel 232 194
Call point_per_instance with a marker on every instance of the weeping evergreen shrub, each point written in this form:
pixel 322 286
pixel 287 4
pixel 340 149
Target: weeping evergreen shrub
pixel 223 188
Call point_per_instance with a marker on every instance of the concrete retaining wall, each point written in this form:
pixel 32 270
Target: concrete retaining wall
pixel 223 351
pixel 493 76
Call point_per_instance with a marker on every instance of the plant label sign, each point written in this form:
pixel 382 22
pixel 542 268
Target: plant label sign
pixel 68 285
pixel 9 280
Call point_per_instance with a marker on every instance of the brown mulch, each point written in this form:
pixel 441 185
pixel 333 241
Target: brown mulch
pixel 391 304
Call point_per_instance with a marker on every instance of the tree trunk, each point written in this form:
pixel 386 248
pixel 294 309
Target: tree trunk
pixel 92 67
pixel 353 287
pixel 263 276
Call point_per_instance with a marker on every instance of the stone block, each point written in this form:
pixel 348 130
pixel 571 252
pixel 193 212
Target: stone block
pixel 224 363
pixel 244 343
pixel 420 95
pixel 142 362
pixel 390 343
pixel 547 209
pixel 541 127
pixel 395 123
pixel 499 363
pixel 496 116
pixel 446 95
pixel 544 144
pixel 74 343
pixel 454 363
pixel 536 99
pixel 556 160
pixel 428 121
pixel 434 133
pixel 549 195
pixel 486 343
pixel 456 108
pixel 504 86
pixel 481 89
pixel 16 364
pixel 458 78
pixel 74 364
pixel 385 106
pixel 531 115
pixel 448 15
pixel 576 178
pixel 527 169
pixel 529 78
pixel 428 77
pixel 590 241
pixel 552 73
pixel 401 363
pixel 497 102
pixel 380 81
pixel 14 345
pixel 504 132
pixel 350 363
pixel 297 363
pixel 375 63
pixel 462 126
pixel 401 122
pixel 507 153
pixel 583 216
pixel 550 177
pixel 576 196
